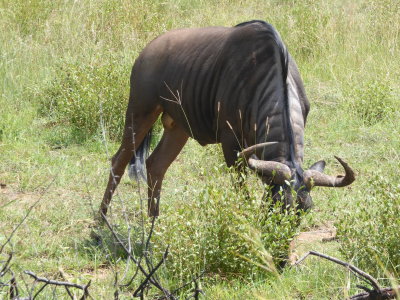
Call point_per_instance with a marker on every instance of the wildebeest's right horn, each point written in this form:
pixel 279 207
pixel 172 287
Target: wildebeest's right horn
pixel 316 178
pixel 276 170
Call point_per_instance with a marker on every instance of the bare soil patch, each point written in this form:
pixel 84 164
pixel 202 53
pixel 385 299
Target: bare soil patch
pixel 300 245
pixel 9 195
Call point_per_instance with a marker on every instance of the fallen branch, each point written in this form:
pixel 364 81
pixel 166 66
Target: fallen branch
pixel 194 280
pixel 382 294
pixel 144 272
pixel 65 284
pixel 5 266
pixel 377 293
pixel 142 286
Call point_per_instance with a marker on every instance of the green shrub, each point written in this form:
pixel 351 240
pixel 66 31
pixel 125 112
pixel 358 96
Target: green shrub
pixel 372 102
pixel 82 96
pixel 225 233
pixel 369 231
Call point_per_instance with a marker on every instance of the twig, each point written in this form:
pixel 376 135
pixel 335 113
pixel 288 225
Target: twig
pixel 196 292
pixel 46 282
pixel 377 293
pixel 5 267
pixel 14 293
pixel 66 288
pixel 149 276
pixel 386 293
pixel 116 293
pixel 354 269
pixel 156 284
pixel 145 251
pixel 147 247
pixel 188 283
pixel 54 282
pixel 86 291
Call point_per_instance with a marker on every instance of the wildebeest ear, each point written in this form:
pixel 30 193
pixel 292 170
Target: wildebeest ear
pixel 318 166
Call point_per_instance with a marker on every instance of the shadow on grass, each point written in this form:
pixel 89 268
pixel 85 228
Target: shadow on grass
pixel 103 242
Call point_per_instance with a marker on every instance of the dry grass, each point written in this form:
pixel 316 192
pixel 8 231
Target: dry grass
pixel 341 46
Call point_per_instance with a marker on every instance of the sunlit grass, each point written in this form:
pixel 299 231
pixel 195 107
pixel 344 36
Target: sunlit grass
pixel 347 52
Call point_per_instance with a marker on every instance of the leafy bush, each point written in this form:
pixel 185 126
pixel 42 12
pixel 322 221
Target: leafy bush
pixel 225 233
pixel 83 95
pixel 372 102
pixel 369 231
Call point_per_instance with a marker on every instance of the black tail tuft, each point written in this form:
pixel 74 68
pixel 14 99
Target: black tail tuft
pixel 137 165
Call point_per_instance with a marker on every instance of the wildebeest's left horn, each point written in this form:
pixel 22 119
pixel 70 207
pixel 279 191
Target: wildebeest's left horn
pixel 276 170
pixel 315 178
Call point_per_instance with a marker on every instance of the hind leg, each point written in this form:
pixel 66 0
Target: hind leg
pixel 170 145
pixel 137 126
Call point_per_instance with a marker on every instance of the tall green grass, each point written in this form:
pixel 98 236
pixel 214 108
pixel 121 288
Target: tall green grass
pixel 338 45
pixel 57 54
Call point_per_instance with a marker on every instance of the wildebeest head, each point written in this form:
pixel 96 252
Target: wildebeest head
pixel 292 185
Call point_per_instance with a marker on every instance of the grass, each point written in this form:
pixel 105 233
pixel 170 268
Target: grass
pixel 347 52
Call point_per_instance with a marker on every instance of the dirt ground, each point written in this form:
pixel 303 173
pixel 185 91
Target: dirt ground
pixel 300 245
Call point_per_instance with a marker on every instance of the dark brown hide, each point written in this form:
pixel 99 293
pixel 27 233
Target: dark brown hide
pixel 235 86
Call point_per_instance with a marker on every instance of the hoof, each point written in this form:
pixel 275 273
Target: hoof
pixel 95 233
pixel 96 237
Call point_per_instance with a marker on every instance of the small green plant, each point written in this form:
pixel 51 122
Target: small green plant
pixel 372 102
pixel 226 233
pixel 82 97
pixel 369 232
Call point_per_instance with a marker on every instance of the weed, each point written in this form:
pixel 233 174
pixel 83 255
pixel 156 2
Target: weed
pixel 372 102
pixel 369 232
pixel 226 232
pixel 82 96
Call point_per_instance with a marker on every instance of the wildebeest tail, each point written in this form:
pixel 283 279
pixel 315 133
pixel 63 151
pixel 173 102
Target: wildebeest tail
pixel 137 165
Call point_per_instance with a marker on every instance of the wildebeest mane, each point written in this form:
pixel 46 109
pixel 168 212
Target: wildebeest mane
pixel 284 55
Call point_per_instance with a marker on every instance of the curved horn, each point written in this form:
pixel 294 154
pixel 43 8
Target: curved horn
pixel 314 178
pixel 278 171
pixel 249 151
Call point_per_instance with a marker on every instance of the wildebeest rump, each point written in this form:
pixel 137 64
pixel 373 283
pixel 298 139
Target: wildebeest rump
pixel 236 86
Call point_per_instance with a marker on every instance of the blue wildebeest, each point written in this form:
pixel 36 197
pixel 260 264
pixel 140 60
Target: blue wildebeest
pixel 236 86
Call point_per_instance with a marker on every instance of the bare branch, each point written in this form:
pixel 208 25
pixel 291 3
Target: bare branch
pixel 383 294
pixel 5 267
pixel 149 276
pixel 354 269
pixel 55 282
pixel 188 283
pixel 14 293
pixel 156 284
pixel 66 288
